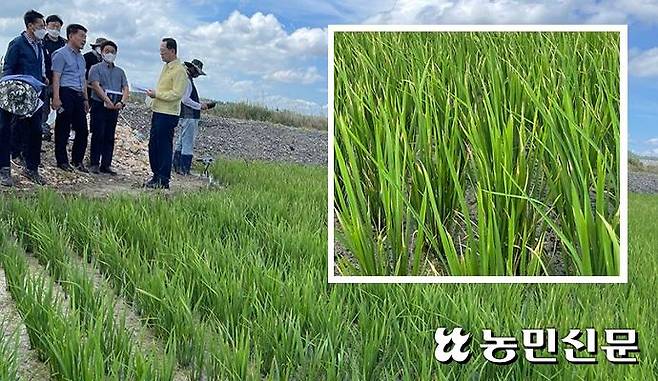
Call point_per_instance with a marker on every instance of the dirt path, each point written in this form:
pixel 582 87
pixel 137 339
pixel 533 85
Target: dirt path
pixel 131 163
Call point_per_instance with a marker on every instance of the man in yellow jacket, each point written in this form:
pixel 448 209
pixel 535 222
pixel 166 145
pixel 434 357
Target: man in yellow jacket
pixel 166 110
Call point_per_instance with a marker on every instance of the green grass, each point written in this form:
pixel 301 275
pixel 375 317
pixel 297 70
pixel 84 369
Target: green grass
pixel 471 150
pixel 247 264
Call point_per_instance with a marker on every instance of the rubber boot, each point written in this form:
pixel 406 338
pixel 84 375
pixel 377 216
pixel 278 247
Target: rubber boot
pixel 185 164
pixel 176 162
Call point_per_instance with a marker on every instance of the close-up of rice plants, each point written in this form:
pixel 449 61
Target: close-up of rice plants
pixel 477 153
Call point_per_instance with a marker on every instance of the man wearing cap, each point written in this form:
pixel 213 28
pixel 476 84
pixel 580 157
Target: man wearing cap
pixel 24 57
pixel 189 120
pixel 167 98
pixel 92 58
pixel 70 99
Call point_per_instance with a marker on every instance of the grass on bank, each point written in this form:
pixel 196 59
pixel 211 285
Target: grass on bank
pixel 253 111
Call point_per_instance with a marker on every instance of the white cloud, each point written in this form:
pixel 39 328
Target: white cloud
pixel 243 86
pixel 306 41
pixel 297 105
pixel 244 56
pixel 644 64
pixel 517 12
pixel 652 141
pixel 255 45
pixel 303 76
pixel 471 11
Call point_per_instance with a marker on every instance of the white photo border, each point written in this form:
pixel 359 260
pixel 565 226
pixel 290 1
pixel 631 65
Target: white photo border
pixel 623 113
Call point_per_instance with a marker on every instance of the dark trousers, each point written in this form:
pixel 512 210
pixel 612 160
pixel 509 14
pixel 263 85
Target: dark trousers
pixel 161 145
pixel 46 97
pixel 30 130
pixel 74 117
pixel 18 138
pixel 103 124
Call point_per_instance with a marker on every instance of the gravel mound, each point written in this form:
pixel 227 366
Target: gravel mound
pixel 244 139
pixel 642 182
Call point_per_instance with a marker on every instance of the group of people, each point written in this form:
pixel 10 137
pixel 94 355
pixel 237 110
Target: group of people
pixel 74 85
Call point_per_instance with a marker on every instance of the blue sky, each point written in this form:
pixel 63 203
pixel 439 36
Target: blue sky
pixel 274 52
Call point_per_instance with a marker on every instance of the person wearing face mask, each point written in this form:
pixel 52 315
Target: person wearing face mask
pixel 70 99
pixel 92 58
pixel 24 57
pixel 109 97
pixel 51 42
pixel 189 119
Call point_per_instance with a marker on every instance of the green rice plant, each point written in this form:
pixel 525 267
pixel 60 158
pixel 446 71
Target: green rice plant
pixel 8 352
pixel 261 244
pixel 92 307
pixel 443 139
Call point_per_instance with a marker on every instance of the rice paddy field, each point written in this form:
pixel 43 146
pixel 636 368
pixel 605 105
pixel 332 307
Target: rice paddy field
pixel 479 153
pixel 231 284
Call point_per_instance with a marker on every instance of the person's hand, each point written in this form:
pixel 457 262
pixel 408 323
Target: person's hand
pixel 56 104
pixel 46 81
pixel 109 105
pixel 86 106
pixel 150 93
pixel 204 106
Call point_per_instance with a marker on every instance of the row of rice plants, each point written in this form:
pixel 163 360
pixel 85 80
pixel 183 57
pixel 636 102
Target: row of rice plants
pixel 360 332
pixel 149 289
pixel 227 276
pixel 93 307
pixel 229 272
pixel 73 349
pixel 474 149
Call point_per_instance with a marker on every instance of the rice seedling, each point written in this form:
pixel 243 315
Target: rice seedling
pixel 249 262
pixel 8 352
pixel 100 341
pixel 483 153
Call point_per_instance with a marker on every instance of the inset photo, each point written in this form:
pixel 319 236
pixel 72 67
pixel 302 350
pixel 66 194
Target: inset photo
pixel 477 154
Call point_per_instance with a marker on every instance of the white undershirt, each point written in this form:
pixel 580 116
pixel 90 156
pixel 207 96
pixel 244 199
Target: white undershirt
pixel 187 101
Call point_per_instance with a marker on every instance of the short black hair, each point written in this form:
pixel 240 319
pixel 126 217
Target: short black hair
pixel 54 18
pixel 74 28
pixel 170 44
pixel 108 42
pixel 31 16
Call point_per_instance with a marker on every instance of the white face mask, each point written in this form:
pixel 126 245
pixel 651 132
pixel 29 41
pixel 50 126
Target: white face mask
pixel 109 57
pixel 54 33
pixel 40 34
